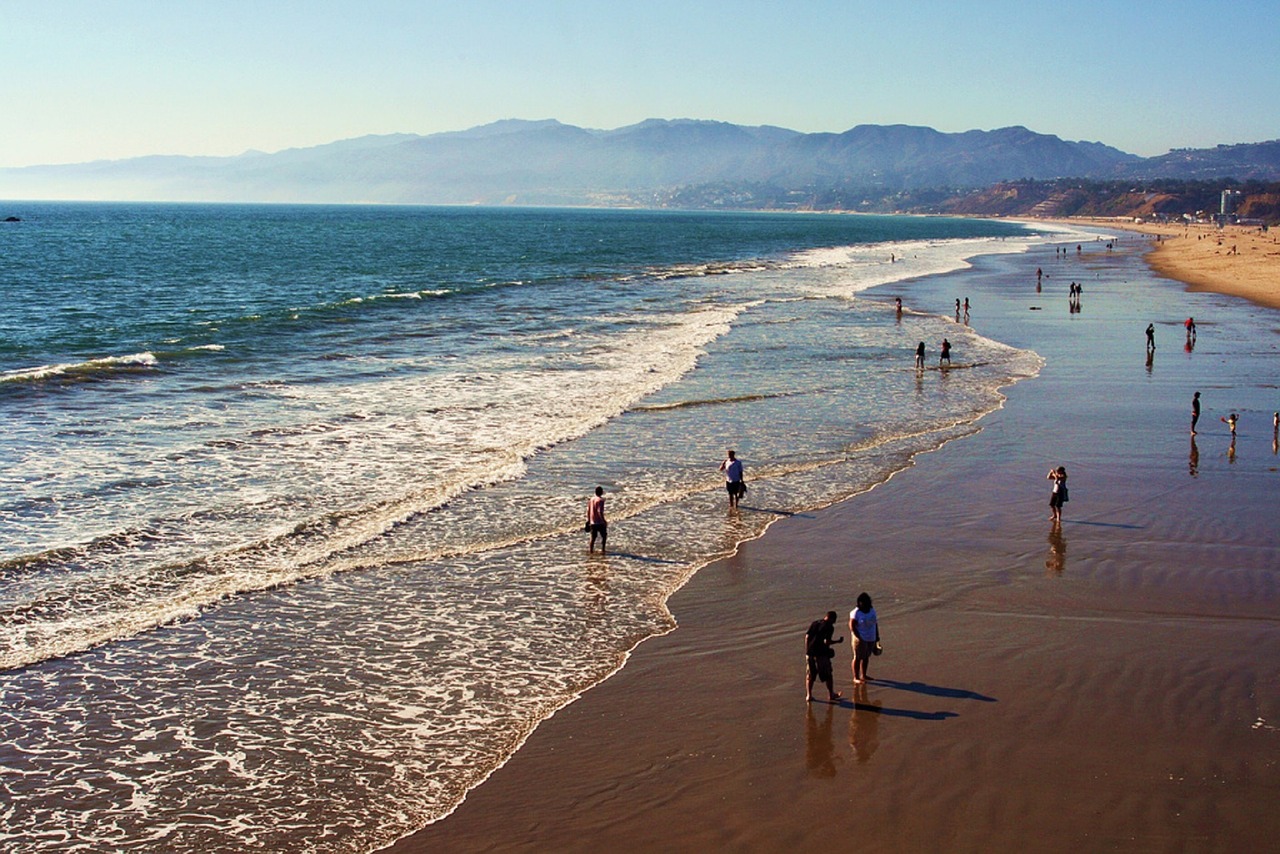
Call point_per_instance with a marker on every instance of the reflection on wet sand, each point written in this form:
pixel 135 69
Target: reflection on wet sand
pixel 864 724
pixel 1057 560
pixel 820 748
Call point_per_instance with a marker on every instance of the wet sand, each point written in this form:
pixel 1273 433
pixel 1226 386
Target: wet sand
pixel 1110 685
pixel 1242 261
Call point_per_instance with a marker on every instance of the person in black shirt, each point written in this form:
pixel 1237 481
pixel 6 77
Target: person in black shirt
pixel 817 648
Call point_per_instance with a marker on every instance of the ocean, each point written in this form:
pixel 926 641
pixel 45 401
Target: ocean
pixel 291 549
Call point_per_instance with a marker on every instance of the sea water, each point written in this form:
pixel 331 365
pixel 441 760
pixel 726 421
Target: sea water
pixel 291 498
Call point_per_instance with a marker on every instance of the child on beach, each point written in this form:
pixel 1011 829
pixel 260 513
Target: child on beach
pixel 1059 495
pixel 1230 421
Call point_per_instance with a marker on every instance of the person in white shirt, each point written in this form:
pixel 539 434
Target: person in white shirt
pixel 866 636
pixel 733 482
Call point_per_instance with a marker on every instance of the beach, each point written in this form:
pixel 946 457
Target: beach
pixel 1242 261
pixel 1111 684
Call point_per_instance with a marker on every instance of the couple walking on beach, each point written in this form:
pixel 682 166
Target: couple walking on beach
pixel 864 629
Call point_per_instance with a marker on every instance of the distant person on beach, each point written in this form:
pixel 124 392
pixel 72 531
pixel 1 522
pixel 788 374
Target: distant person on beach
pixel 1058 496
pixel 1195 412
pixel 818 651
pixel 945 355
pixel 1230 421
pixel 1191 329
pixel 1151 336
pixel 920 355
pixel 733 482
pixel 865 629
pixel 957 310
pixel 596 523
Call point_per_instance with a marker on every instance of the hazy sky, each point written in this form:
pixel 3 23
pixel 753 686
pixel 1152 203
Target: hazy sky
pixel 106 79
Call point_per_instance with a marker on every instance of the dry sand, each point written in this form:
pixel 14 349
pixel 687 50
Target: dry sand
pixel 1111 685
pixel 1242 261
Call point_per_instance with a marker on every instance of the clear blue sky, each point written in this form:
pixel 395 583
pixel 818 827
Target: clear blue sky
pixel 103 79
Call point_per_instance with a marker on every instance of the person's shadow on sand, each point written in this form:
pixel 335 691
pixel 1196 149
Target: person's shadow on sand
pixel 920 688
pixel 890 712
pixel 934 690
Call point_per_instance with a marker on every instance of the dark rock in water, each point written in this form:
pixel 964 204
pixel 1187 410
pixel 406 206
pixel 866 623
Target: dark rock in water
pixel 12 219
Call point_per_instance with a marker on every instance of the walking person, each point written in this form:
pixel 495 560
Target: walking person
pixel 920 355
pixel 1058 496
pixel 1151 337
pixel 733 482
pixel 864 626
pixel 818 652
pixel 596 523
pixel 1195 412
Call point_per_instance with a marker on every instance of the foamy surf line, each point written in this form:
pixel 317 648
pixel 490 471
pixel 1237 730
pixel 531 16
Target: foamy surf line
pixel 404 681
pixel 110 607
pixel 86 370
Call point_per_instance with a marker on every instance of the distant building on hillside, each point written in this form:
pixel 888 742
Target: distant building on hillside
pixel 1227 206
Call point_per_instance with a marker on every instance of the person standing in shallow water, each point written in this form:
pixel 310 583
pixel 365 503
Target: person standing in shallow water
pixel 1195 412
pixel 1058 496
pixel 818 651
pixel 1151 337
pixel 733 482
pixel 596 523
pixel 920 355
pixel 864 626
pixel 945 355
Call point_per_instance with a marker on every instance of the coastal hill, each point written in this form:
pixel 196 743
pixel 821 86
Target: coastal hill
pixel 654 163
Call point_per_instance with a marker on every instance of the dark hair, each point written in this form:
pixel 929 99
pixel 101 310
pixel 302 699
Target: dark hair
pixel 599 490
pixel 831 615
pixel 864 599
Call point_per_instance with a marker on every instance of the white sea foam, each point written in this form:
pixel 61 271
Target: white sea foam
pixel 338 714
pixel 86 369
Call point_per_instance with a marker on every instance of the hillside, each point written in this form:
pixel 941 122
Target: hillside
pixel 655 163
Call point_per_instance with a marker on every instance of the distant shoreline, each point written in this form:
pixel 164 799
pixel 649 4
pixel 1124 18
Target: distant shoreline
pixel 1235 260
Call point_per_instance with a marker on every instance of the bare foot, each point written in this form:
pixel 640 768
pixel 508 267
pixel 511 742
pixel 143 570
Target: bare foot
pixel 836 696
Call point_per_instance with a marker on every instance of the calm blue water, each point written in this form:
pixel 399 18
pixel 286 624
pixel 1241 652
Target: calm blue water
pixel 292 496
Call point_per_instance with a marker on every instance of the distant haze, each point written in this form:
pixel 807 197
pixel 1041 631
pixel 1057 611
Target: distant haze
pixel 647 164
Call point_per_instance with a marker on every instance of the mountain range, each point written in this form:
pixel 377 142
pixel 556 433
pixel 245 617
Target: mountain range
pixel 653 163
